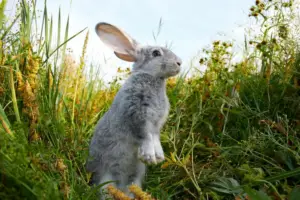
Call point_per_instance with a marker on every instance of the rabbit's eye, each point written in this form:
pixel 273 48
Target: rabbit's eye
pixel 156 53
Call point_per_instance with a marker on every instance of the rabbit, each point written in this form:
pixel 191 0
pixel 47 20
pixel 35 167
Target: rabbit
pixel 127 137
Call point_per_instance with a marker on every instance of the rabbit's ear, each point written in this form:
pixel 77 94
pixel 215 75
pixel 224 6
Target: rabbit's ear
pixel 125 57
pixel 121 43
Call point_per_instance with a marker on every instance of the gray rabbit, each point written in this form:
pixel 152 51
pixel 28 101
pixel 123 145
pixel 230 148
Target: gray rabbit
pixel 128 134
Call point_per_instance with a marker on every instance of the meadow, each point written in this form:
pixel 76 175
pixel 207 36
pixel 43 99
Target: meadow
pixel 233 131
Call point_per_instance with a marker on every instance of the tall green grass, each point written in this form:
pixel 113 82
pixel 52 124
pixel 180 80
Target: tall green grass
pixel 232 133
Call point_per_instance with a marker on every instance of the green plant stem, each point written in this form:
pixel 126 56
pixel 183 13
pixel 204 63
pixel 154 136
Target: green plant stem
pixel 13 95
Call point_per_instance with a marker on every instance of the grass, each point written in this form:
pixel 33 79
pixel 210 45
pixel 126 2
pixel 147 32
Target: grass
pixel 233 131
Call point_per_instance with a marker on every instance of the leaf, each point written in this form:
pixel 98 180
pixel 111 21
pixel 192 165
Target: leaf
pixel 227 186
pixel 256 195
pixel 295 194
pixel 2 14
pixel 8 29
pixel 173 157
pixel 186 159
pixel 3 115
pixel 5 122
pixel 63 44
pixel 165 165
pixel 283 175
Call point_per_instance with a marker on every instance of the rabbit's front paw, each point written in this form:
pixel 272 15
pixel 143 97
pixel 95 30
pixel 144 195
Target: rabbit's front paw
pixel 159 152
pixel 146 153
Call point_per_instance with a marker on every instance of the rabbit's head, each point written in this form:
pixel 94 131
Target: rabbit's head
pixel 155 60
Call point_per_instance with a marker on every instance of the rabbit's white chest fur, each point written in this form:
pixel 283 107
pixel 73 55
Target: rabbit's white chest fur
pixel 164 112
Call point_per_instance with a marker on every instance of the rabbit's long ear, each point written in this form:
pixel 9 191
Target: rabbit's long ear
pixel 120 42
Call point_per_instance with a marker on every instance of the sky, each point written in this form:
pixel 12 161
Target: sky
pixel 188 25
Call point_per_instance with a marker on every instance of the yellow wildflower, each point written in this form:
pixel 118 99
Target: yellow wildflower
pixel 60 166
pixel 65 189
pixel 117 194
pixel 139 193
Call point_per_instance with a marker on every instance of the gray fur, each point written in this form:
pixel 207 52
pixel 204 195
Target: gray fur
pixel 128 134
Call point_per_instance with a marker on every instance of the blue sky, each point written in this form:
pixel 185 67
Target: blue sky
pixel 189 25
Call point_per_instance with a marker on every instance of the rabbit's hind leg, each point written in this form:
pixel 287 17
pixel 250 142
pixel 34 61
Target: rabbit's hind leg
pixel 137 176
pixel 105 179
